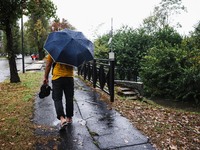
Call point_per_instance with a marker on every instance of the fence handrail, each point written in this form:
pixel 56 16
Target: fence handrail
pixel 100 73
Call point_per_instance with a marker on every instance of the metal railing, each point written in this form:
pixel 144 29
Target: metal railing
pixel 101 73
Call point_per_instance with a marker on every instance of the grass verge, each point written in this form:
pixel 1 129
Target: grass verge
pixel 16 103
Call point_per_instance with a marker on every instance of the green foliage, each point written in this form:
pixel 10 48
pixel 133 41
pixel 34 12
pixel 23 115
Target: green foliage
pixel 166 62
pixel 188 43
pixel 196 36
pixel 158 68
pixel 37 8
pixel 171 72
pixel 39 13
pixel 167 36
pixel 16 39
pixel 102 47
pixel 1 42
pixel 10 11
pixel 130 46
pixel 29 39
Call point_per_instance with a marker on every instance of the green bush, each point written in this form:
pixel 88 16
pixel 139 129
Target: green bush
pixel 172 73
pixel 130 46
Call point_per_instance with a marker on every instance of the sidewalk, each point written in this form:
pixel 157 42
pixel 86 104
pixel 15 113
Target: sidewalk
pixel 34 65
pixel 94 127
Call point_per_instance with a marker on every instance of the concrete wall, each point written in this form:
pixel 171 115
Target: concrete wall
pixel 131 84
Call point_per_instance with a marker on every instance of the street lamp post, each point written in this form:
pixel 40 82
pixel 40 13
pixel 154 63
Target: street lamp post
pixel 22 32
pixel 112 64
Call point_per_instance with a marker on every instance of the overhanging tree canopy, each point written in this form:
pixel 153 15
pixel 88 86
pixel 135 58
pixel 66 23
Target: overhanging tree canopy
pixel 10 12
pixel 39 13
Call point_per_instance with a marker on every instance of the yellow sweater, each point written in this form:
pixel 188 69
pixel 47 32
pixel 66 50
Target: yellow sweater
pixel 61 70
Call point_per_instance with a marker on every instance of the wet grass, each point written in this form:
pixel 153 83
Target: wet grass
pixel 16 103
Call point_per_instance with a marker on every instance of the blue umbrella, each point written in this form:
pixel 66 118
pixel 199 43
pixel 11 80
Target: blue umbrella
pixel 69 47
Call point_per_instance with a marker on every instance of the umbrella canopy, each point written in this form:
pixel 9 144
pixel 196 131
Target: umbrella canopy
pixel 69 47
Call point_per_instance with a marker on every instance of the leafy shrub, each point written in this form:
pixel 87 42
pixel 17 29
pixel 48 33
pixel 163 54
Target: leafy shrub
pixel 172 72
pixel 130 46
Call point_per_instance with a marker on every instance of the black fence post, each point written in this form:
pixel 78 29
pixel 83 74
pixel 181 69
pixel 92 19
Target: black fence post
pixel 112 68
pixel 94 73
pixel 112 75
pixel 85 71
pixel 102 72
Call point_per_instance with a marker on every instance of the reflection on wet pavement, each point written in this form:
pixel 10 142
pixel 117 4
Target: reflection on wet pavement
pixel 94 126
pixel 4 73
pixel 4 67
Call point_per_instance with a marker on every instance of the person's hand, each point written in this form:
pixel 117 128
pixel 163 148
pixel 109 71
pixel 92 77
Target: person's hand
pixel 45 81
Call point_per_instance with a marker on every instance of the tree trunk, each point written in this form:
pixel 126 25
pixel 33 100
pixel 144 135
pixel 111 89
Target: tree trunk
pixel 14 77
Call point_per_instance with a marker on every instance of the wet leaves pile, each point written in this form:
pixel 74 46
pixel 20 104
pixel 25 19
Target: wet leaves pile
pixel 167 128
pixel 16 103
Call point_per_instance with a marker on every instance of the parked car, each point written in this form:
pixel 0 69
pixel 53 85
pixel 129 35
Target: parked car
pixel 35 56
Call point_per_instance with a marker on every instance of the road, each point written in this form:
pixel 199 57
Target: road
pixel 4 65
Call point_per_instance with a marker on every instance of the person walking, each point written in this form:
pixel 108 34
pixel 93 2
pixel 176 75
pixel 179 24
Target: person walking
pixel 62 82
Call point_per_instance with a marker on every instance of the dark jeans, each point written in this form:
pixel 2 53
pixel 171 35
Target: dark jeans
pixel 66 85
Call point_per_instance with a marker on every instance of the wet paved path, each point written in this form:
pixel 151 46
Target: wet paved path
pixel 94 127
pixel 29 66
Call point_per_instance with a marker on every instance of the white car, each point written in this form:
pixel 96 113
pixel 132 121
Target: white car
pixel 19 56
